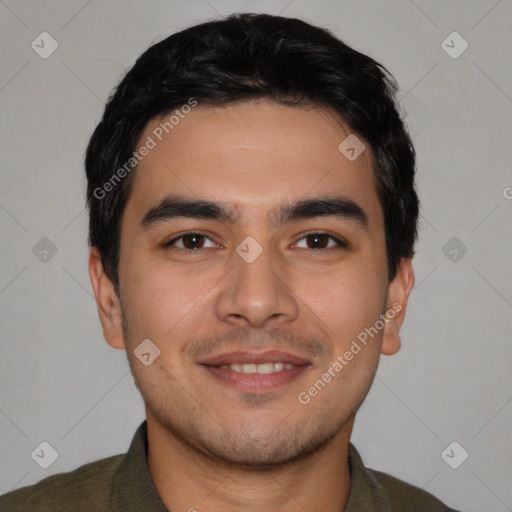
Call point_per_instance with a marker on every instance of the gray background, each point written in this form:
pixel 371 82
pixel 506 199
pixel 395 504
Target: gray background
pixel 61 383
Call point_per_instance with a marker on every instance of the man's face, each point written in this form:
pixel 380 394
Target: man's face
pixel 260 282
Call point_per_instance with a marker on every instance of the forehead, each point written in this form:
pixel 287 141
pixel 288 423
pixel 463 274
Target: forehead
pixel 251 155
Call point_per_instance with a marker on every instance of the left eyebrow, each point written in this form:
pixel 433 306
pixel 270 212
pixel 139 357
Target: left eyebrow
pixel 340 207
pixel 178 206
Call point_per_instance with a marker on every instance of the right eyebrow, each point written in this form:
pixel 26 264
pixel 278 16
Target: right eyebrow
pixel 173 206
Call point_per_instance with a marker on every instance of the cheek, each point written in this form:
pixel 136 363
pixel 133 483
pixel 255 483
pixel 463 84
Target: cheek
pixel 162 301
pixel 346 301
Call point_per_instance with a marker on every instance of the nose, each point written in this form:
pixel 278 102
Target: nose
pixel 257 292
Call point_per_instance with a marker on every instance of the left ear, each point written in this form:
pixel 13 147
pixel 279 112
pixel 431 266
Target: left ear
pixel 398 295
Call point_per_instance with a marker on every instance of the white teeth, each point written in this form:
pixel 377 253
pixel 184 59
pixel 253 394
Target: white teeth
pixel 265 368
pixel 259 368
pixel 248 368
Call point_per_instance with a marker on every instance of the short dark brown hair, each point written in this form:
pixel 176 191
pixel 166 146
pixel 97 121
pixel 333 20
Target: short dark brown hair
pixel 244 57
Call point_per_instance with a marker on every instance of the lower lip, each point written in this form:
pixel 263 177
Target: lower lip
pixel 254 381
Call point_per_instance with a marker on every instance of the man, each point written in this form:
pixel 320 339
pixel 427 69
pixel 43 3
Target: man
pixel 252 222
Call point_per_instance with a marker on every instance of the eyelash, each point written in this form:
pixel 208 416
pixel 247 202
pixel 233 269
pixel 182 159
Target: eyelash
pixel 340 243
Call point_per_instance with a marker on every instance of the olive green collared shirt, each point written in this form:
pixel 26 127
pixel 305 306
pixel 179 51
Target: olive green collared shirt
pixel 123 484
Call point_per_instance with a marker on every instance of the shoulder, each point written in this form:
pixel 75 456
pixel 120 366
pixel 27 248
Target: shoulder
pixel 85 489
pixel 374 490
pixel 406 497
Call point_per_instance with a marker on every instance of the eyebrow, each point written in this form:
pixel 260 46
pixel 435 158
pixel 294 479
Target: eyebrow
pixel 174 206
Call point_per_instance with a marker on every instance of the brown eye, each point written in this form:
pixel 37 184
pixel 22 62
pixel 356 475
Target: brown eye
pixel 193 241
pixel 321 241
pixel 317 241
pixel 190 242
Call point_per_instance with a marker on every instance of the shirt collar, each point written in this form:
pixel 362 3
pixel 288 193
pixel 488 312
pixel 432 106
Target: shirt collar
pixel 365 492
pixel 134 491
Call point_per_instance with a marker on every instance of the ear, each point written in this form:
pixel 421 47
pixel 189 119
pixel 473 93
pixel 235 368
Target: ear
pixel 109 307
pixel 398 295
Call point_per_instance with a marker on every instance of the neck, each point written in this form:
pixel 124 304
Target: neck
pixel 187 480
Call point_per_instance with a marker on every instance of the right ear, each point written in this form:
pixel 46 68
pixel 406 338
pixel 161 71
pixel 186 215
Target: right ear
pixel 109 307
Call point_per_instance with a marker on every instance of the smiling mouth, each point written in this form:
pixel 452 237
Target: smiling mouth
pixel 255 372
pixel 248 379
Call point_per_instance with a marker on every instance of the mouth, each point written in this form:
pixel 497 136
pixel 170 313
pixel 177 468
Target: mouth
pixel 255 371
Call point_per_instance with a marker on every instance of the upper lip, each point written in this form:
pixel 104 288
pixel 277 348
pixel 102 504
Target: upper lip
pixel 254 357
